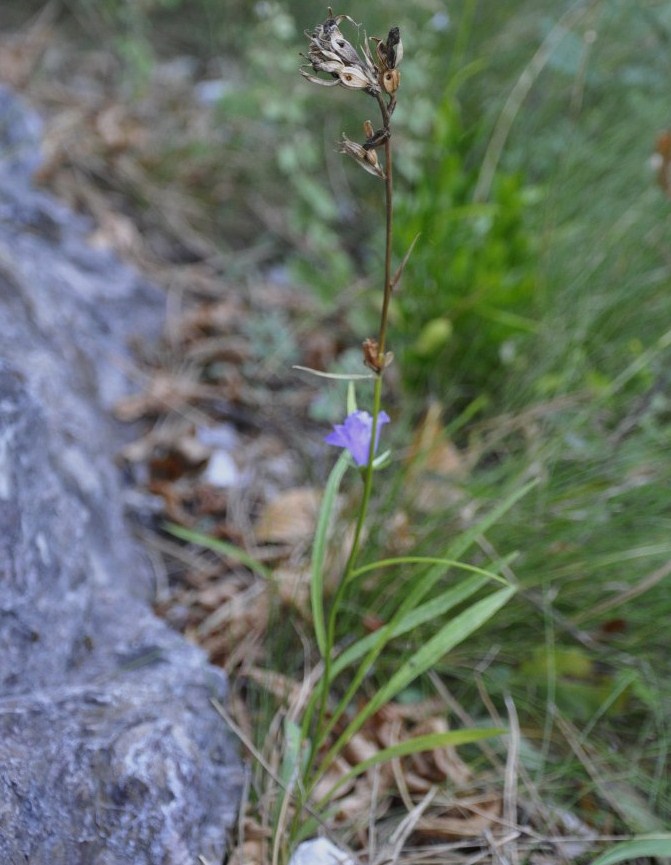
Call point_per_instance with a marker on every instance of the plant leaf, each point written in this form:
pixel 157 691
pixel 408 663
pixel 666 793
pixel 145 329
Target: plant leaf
pixel 425 560
pixel 453 633
pixel 231 551
pixel 396 278
pixel 429 742
pixel 319 549
pixel 351 398
pixel 409 615
pixel 338 376
pixel 291 756
pixel 449 636
pixel 419 615
pixel 654 845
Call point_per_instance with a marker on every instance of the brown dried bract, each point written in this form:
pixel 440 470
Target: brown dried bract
pixel 372 358
pixel 367 159
pixel 331 53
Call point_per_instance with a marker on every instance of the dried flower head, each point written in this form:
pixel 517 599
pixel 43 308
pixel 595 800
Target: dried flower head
pixel 390 53
pixel 367 159
pixel 376 73
pixel 391 79
pixel 330 52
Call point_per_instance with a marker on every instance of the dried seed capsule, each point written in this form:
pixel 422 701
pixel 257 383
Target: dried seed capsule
pixel 391 80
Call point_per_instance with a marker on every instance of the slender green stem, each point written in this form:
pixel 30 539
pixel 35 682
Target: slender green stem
pixel 320 729
pixel 348 570
pixel 389 190
pixel 350 566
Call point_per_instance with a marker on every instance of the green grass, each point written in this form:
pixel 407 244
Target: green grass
pixel 582 402
pixel 599 522
pixel 583 406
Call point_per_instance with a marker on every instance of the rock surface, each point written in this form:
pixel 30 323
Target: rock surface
pixel 110 750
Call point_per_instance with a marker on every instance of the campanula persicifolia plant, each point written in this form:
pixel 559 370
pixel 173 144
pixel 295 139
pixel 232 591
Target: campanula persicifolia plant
pixel 334 61
pixel 318 727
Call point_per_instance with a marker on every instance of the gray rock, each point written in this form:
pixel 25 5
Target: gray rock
pixel 110 750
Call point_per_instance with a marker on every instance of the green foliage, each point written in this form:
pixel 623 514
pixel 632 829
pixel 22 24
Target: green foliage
pixel 628 851
pixel 127 23
pixel 467 301
pixel 139 31
pixel 344 674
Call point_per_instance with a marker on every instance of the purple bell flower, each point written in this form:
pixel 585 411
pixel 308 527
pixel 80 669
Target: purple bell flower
pixel 355 434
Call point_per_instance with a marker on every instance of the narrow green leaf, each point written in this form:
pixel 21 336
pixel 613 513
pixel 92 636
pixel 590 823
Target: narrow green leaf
pixel 319 549
pixel 654 845
pixel 337 376
pixel 433 609
pixel 453 633
pixel 425 560
pixel 351 398
pixel 449 636
pixel 231 551
pixel 409 615
pixel 291 756
pixel 429 742
pixel 373 644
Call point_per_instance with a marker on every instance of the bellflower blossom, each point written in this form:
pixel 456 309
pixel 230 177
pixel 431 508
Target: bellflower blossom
pixel 355 434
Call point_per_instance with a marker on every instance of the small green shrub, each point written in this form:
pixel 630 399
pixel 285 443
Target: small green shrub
pixel 469 285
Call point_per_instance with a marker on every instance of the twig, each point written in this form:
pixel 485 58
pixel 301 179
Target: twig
pixel 407 826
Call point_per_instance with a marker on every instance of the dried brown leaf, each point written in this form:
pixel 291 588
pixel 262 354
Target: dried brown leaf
pixel 164 391
pixel 359 748
pixel 293 584
pixel 441 764
pixel 119 232
pixel 434 464
pixel 334 774
pixel 21 52
pixel 467 817
pixel 118 129
pixel 290 518
pixel 252 852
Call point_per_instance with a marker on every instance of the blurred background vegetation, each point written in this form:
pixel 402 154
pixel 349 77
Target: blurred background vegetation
pixel 534 311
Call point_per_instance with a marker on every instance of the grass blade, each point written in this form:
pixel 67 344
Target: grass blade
pixel 319 549
pixel 657 845
pixel 429 742
pixel 424 560
pixel 449 636
pixel 424 613
pixel 408 616
pixel 231 551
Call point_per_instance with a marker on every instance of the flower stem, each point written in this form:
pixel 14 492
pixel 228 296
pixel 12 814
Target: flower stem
pixel 350 566
pixel 389 191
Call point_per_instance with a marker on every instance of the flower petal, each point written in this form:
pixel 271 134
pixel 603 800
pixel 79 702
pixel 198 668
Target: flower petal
pixel 355 433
